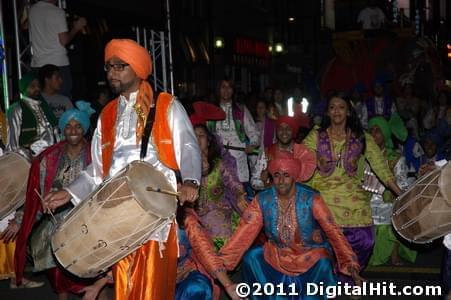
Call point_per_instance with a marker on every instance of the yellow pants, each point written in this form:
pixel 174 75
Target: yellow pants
pixel 7 260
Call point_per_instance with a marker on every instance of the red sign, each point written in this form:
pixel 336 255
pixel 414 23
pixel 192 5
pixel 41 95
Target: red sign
pixel 250 47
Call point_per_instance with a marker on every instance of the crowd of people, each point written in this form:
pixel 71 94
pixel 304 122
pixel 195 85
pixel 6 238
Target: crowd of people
pixel 291 196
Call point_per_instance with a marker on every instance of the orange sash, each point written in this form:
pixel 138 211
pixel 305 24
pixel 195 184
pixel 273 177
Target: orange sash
pixel 144 274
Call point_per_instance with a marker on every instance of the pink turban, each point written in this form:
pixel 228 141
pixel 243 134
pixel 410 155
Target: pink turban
pixel 285 162
pixel 132 53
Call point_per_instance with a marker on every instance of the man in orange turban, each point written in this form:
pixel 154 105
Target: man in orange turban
pixel 172 146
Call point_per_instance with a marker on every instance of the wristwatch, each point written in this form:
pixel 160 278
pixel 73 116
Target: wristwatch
pixel 191 182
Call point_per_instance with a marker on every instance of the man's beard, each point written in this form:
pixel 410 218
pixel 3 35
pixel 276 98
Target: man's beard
pixel 116 89
pixel 121 87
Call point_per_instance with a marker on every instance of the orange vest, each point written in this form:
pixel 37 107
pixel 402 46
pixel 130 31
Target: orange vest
pixel 161 133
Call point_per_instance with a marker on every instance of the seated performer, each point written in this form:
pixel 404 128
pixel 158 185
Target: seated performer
pixel 199 265
pixel 54 168
pixel 303 237
pixel 221 202
pixel 32 124
pixel 286 131
pixel 8 230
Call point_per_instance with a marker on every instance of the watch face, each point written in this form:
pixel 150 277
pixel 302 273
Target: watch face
pixel 193 182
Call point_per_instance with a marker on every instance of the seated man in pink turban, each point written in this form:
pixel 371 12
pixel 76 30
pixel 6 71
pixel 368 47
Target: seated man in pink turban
pixel 303 243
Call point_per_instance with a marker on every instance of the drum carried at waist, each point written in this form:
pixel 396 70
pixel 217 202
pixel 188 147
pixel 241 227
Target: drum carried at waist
pixel 14 170
pixel 423 213
pixel 115 220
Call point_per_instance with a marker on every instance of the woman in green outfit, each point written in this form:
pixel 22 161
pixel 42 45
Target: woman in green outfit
pixel 342 146
pixel 388 247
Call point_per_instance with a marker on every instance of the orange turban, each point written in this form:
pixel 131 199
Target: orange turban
pixel 139 60
pixel 285 162
pixel 132 53
pixel 290 121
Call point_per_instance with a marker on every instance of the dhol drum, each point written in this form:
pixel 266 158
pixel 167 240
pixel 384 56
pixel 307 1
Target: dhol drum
pixel 14 170
pixel 115 220
pixel 370 181
pixel 423 213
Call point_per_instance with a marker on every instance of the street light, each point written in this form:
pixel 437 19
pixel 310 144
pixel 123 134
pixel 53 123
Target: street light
pixel 279 47
pixel 219 42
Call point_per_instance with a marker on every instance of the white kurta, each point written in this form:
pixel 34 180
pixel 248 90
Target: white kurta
pixel 126 150
pixel 226 130
pixel 261 164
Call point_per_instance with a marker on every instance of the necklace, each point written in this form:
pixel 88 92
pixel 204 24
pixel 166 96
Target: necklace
pixel 285 223
pixel 338 155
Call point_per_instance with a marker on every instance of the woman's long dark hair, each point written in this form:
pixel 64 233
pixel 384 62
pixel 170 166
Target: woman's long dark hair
pixel 353 122
pixel 214 153
pixel 217 99
pixel 214 150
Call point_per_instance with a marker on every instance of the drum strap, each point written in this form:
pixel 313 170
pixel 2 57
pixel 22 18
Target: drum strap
pixel 147 130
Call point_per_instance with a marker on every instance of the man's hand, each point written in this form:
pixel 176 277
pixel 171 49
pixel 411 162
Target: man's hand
pixel 10 233
pixel 91 292
pixel 231 291
pixel 250 148
pixel 56 199
pixel 426 168
pixel 356 276
pixel 188 192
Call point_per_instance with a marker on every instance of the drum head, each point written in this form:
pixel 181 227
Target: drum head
pixel 142 175
pixel 114 221
pixel 14 171
pixel 423 213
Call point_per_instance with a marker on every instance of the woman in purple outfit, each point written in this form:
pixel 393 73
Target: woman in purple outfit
pixel 341 148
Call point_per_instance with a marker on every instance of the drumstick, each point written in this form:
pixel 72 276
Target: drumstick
pixel 43 206
pixel 158 190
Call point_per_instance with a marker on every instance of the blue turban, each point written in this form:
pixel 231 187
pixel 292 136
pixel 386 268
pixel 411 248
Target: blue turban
pixel 80 114
pixel 359 87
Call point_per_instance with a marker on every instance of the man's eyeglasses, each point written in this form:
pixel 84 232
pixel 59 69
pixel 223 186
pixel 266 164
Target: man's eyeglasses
pixel 115 67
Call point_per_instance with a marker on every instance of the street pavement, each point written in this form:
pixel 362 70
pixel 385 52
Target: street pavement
pixel 426 271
